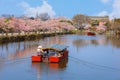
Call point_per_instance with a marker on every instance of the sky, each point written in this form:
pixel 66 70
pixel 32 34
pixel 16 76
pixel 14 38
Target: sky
pixel 56 8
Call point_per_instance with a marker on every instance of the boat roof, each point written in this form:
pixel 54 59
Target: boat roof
pixel 57 47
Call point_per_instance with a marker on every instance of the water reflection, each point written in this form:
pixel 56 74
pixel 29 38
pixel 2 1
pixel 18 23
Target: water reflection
pixel 97 40
pixel 97 59
pixel 55 40
pixel 16 50
pixel 19 49
pixel 115 41
pixel 48 68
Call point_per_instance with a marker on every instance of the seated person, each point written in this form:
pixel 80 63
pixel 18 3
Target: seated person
pixel 39 50
pixel 46 53
pixel 59 54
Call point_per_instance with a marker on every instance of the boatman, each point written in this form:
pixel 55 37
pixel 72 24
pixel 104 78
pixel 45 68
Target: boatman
pixel 39 50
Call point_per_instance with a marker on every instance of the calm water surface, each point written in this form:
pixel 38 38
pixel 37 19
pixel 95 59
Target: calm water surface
pixel 90 58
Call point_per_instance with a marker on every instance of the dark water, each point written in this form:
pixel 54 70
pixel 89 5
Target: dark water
pixel 90 58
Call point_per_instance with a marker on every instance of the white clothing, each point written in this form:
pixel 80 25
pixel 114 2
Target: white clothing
pixel 39 51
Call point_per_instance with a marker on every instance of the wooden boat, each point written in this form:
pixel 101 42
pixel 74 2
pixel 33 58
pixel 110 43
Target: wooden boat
pixel 55 53
pixel 61 64
pixel 39 66
pixel 91 34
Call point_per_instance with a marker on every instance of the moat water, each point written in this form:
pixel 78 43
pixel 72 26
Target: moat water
pixel 90 58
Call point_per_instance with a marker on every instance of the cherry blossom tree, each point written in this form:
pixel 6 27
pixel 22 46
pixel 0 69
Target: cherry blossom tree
pixel 101 26
pixel 14 24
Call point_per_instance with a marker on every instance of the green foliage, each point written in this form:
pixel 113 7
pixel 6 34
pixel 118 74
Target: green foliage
pixel 108 24
pixel 68 21
pixel 117 20
pixel 96 22
pixel 7 20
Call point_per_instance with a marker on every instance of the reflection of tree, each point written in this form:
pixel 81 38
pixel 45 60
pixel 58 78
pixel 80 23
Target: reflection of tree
pixel 15 52
pixel 20 50
pixel 102 40
pixel 80 43
pixel 88 40
pixel 55 40
pixel 22 53
pixel 115 41
pixel 1 62
pixel 94 42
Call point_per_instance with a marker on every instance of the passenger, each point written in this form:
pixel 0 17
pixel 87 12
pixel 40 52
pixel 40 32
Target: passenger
pixel 46 53
pixel 59 55
pixel 39 50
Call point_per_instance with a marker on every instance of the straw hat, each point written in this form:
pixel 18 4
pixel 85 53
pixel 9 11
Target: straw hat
pixel 39 46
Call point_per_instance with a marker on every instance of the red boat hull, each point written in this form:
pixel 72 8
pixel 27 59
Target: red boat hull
pixel 58 59
pixel 54 59
pixel 37 58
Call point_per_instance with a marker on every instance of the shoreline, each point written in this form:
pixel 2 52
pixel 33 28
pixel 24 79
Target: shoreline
pixel 27 36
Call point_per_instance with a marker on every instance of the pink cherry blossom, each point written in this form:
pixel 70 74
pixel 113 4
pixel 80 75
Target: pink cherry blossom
pixel 101 26
pixel 26 24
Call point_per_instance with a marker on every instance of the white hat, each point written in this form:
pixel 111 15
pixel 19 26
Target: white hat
pixel 39 46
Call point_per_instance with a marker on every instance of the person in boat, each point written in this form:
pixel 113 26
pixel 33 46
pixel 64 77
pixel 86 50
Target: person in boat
pixel 39 50
pixel 58 54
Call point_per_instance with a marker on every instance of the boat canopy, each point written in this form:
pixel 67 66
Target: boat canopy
pixel 57 47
